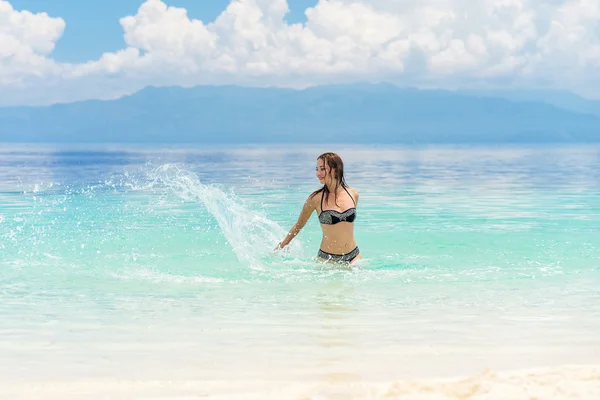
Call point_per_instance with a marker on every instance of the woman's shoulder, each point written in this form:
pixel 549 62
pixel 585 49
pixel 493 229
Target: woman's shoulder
pixel 315 196
pixel 352 191
pixel 316 193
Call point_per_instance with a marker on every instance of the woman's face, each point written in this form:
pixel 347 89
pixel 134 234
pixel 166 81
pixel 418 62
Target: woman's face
pixel 322 172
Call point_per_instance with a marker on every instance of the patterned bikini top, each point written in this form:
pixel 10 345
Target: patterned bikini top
pixel 332 217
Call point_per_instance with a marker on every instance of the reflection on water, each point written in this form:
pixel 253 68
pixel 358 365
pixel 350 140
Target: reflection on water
pixel 282 166
pixel 336 345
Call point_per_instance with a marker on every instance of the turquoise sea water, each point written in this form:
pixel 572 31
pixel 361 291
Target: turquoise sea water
pixel 153 262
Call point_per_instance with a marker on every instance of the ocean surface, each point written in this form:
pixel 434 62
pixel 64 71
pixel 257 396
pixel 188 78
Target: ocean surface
pixel 131 271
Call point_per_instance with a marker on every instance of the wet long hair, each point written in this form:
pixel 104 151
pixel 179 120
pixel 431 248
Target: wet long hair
pixel 334 162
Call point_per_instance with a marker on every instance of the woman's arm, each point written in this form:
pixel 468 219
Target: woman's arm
pixel 309 207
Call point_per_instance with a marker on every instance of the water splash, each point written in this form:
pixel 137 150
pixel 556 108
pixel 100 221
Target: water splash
pixel 251 235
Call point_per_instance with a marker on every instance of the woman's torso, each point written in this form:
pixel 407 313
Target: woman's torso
pixel 338 232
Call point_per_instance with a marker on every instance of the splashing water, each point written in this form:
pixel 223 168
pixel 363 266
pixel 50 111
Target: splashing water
pixel 252 236
pixel 133 226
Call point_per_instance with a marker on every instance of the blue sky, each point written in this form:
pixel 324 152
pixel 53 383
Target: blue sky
pixel 99 21
pixel 62 51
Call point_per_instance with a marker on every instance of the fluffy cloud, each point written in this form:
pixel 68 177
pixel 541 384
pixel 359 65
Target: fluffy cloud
pixel 440 43
pixel 26 40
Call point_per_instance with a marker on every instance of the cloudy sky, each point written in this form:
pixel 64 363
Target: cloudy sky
pixel 66 50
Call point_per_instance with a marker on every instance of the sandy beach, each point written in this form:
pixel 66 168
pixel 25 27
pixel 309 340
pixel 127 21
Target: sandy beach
pixel 562 383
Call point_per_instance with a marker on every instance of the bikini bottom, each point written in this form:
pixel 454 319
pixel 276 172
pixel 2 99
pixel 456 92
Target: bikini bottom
pixel 341 258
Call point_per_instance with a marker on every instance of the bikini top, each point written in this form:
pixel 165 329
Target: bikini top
pixel 332 217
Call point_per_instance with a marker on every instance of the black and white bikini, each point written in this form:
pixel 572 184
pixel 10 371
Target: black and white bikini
pixel 332 217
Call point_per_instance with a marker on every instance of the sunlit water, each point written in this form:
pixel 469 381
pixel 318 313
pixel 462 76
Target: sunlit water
pixel 157 263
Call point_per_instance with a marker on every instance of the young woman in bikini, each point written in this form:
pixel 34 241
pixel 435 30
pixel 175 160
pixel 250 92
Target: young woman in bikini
pixel 335 204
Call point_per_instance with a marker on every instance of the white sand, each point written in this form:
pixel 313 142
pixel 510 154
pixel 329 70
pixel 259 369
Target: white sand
pixel 567 382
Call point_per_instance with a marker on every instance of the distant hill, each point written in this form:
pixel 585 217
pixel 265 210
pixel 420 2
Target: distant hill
pixel 361 113
pixel 561 99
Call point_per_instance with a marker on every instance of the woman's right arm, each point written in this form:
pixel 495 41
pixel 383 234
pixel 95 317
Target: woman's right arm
pixel 307 209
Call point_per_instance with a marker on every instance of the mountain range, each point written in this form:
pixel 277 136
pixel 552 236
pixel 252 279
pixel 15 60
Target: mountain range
pixel 358 113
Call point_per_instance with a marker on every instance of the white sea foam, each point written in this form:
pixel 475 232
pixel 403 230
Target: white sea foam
pixel 159 277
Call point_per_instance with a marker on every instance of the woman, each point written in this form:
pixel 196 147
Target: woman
pixel 336 204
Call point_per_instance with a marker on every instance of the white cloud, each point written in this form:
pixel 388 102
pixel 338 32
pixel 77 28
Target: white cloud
pixel 26 40
pixel 439 43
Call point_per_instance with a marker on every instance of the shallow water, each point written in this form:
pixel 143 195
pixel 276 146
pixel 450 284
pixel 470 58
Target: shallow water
pixel 116 261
